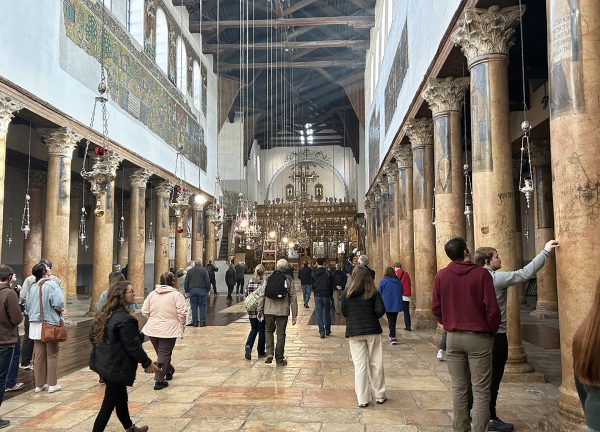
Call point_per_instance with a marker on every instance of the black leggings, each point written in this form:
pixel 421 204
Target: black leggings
pixel 115 396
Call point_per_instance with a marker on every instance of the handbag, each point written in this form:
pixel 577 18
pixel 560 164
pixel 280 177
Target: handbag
pixel 51 332
pixel 251 300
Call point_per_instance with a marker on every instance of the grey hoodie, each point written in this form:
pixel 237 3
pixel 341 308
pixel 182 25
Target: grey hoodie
pixel 502 280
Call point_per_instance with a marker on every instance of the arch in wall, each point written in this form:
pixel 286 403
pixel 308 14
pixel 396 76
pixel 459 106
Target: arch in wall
pixel 320 163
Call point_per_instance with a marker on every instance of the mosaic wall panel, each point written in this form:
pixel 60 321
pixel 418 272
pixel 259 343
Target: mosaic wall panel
pixel 374 137
pixel 135 82
pixel 396 77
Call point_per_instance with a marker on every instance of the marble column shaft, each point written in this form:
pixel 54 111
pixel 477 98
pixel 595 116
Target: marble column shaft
pixel 369 226
pixel 445 98
pixel 391 171
pixel 181 238
pixel 32 245
pixel 376 255
pixel 197 231
pixel 74 218
pixel 574 65
pixel 162 228
pixel 420 133
pixel 137 232
pixel 55 242
pixel 7 108
pixel 485 40
pixel 385 225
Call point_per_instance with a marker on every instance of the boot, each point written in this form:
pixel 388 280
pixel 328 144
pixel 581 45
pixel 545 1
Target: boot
pixel 135 428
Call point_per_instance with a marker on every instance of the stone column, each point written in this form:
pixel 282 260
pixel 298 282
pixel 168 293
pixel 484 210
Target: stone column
pixel 55 243
pixel 137 231
pixel 197 231
pixel 391 171
pixel 162 228
pixel 376 255
pixel 104 237
pixel 32 245
pixel 404 211
pixel 123 248
pixel 384 245
pixel 445 98
pixel 369 226
pixel 485 39
pixel 573 29
pixel 74 218
pixel 420 133
pixel 181 239
pixel 7 108
pixel 547 301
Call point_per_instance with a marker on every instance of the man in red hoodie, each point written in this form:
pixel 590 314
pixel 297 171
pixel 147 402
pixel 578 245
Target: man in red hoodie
pixel 464 302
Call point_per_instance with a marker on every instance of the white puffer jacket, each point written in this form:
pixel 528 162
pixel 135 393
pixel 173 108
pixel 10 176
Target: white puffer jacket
pixel 165 309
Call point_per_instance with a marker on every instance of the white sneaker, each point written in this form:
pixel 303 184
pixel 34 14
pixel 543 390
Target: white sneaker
pixel 41 389
pixel 26 367
pixel 54 388
pixel 441 355
pixel 17 386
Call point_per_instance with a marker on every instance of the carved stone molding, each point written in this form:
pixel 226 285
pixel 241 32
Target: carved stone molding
pixel 420 131
pixel 368 203
pixel 164 189
pixel 483 32
pixel 382 182
pixel 60 141
pixel 37 179
pixel 7 108
pixel 445 94
pixel 114 160
pixel 403 155
pixel 140 177
pixel 391 171
pixel 540 153
pixel 376 191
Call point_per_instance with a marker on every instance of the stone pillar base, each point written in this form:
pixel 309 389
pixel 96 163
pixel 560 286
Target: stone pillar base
pixel 71 297
pixel 565 419
pixel 524 377
pixel 545 310
pixel 90 313
pixel 518 369
pixel 423 319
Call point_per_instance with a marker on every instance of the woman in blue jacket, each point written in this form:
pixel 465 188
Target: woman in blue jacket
pixel 390 289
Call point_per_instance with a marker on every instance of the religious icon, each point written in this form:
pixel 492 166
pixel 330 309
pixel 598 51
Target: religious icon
pixel 318 191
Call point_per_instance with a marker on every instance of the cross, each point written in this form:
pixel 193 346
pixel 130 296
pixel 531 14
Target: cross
pixel 301 172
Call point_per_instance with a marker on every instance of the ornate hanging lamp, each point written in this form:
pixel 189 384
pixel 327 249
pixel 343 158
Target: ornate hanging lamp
pixel 121 232
pixel 151 223
pixel 180 196
pixel 9 232
pixel 25 221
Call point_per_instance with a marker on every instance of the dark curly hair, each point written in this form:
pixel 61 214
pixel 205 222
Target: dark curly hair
pixel 115 300
pixel 167 278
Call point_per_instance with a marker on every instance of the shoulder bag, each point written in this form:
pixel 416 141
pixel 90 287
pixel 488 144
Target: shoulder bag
pixel 251 300
pixel 51 332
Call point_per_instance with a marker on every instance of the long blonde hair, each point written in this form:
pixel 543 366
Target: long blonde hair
pixel 586 355
pixel 259 272
pixel 361 277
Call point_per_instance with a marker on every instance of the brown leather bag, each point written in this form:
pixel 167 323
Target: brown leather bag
pixel 51 332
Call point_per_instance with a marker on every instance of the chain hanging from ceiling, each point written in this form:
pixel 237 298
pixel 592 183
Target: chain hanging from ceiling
pixel 25 221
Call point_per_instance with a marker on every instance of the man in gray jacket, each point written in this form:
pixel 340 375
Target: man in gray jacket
pixel 488 258
pixel 196 286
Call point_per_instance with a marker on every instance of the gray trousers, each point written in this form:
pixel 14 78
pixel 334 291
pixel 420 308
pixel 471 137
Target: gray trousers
pixel 273 323
pixel 164 350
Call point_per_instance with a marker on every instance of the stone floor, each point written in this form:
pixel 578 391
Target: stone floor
pixel 216 389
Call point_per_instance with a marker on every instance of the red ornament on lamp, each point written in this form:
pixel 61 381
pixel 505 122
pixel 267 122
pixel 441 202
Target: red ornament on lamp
pixel 99 151
pixel 216 238
pixel 179 229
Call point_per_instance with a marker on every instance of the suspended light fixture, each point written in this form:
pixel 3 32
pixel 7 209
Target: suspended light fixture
pixel 9 232
pixel 25 221
pixel 151 224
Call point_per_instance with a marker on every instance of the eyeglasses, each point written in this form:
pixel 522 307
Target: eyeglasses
pixel 130 292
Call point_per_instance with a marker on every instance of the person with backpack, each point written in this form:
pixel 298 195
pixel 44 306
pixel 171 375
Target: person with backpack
pixel 274 307
pixel 256 327
pixel 323 288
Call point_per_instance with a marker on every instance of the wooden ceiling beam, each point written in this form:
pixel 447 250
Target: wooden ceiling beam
pixel 355 45
pixel 349 64
pixel 351 21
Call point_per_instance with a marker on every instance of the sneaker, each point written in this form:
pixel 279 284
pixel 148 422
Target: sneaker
pixel 54 388
pixel 41 389
pixel 17 386
pixel 441 355
pixel 203 324
pixel 499 425
pixel 363 405
pixel 328 333
pixel 269 359
pixel 26 367
pixel 159 385
pixel 305 305
pixel 322 335
pixel 248 353
pixel 407 329
pixel 281 363
pixel 169 375
pixel 394 341
pixel 380 400
pixel 4 423
pixel 262 355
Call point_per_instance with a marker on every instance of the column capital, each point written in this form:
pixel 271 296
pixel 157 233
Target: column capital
pixel 540 153
pixel 113 161
pixel 37 178
pixel 7 108
pixel 376 191
pixel 164 189
pixel 368 203
pixel 60 141
pixel 445 94
pixel 140 177
pixel 391 171
pixel 484 32
pixel 198 206
pixel 403 155
pixel 420 132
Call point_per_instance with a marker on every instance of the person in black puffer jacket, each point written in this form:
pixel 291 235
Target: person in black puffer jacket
pixel 116 352
pixel 362 306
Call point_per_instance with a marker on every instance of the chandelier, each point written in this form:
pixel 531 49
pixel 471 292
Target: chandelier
pixel 215 211
pixel 180 196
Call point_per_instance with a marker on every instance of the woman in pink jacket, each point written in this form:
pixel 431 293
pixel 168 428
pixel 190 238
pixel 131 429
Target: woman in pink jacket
pixel 165 309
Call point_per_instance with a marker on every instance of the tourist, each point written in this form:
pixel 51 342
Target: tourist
pixel 464 302
pixel 116 352
pixel 406 293
pixel 165 309
pixel 362 306
pixel 349 263
pixel 181 281
pixel 45 354
pixel 211 269
pixel 586 364
pixel 10 318
pixel 390 289
pixel 197 285
pixel 27 345
pixel 339 285
pixel 441 354
pixel 114 276
pixel 306 282
pixel 487 257
pixel 323 291
pixel 13 371
pixel 274 307
pixel 240 269
pixel 230 280
pixel 363 260
pixel 256 327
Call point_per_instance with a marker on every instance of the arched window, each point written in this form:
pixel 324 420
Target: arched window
pixel 181 59
pixel 196 84
pixel 135 19
pixel 162 41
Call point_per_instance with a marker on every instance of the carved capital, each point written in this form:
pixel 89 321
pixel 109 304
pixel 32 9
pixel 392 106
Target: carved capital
pixel 540 153
pixel 420 132
pixel 382 182
pixel 198 206
pixel 140 177
pixel 60 141
pixel 445 94
pixel 7 108
pixel 403 155
pixel 483 32
pixel 391 171
pixel 164 189
pixel 368 203
pixel 113 161
pixel 376 191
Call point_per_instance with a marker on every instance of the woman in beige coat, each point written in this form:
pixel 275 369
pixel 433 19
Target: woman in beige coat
pixel 165 309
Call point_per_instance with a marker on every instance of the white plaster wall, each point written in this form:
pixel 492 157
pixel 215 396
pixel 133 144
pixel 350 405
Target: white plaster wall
pixel 31 52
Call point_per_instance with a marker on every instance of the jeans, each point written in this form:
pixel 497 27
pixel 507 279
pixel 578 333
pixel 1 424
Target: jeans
pixel 367 356
pixel 164 349
pixel 257 328
pixel 323 311
pixel 5 359
pixel 115 396
pixel 470 360
pixel 239 287
pixel 198 298
pixel 406 313
pixel 272 323
pixel 499 357
pixel 213 283
pixel 13 371
pixel 230 290
pixel 306 293
pixel 392 318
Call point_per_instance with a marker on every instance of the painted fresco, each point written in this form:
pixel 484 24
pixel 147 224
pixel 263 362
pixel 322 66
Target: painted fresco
pixel 135 82
pixel 480 124
pixel 443 166
pixel 396 77
pixel 401 190
pixel 419 182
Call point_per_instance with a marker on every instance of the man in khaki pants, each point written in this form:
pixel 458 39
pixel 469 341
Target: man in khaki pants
pixel 464 302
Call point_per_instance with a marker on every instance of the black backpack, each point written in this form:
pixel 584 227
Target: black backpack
pixel 276 285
